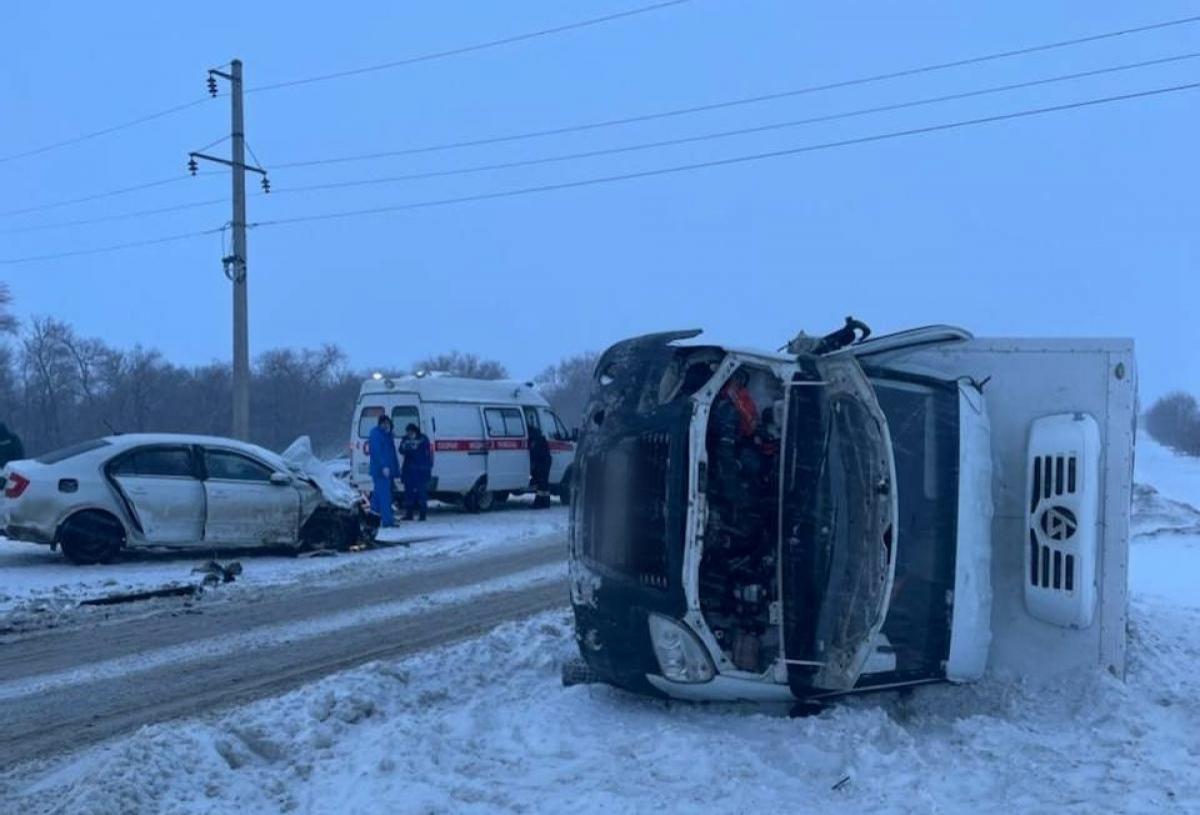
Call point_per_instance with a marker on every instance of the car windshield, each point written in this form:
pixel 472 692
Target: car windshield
pixel 64 453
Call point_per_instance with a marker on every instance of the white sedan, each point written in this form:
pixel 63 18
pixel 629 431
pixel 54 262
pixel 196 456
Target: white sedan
pixel 176 491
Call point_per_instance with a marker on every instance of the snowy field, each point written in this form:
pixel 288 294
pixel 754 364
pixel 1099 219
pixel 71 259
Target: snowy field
pixel 485 726
pixel 40 588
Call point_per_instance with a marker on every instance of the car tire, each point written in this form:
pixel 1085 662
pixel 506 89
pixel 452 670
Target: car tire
pixel 328 532
pixel 91 537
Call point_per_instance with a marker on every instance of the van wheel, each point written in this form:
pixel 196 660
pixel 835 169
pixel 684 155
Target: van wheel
pixel 479 499
pixel 91 537
pixel 564 488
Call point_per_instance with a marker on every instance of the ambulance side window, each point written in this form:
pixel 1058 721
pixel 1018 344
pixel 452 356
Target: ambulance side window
pixel 504 422
pixel 367 420
pixel 458 421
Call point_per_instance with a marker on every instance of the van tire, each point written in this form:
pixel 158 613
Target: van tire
pixel 564 488
pixel 479 499
pixel 91 536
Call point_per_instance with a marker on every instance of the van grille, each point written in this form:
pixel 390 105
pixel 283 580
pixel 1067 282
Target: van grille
pixel 626 506
pixel 1055 479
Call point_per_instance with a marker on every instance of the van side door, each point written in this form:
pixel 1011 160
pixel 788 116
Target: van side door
pixel 562 449
pixel 508 448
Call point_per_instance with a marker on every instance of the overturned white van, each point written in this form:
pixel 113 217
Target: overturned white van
pixel 479 430
pixel 853 514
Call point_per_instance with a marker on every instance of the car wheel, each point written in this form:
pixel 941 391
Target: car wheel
pixel 327 532
pixel 91 537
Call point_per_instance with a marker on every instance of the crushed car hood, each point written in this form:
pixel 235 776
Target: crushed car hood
pixel 300 459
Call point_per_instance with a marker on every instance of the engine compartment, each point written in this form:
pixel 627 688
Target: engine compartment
pixel 739 576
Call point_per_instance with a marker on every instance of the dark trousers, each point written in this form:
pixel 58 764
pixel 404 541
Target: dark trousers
pixel 416 496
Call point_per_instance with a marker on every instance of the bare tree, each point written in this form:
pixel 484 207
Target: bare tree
pixel 463 364
pixel 8 322
pixel 568 385
pixel 1174 420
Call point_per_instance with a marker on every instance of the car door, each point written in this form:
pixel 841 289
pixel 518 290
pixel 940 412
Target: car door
pixel 508 449
pixel 248 501
pixel 163 492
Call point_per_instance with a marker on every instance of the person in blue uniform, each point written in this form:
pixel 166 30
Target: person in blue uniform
pixel 384 468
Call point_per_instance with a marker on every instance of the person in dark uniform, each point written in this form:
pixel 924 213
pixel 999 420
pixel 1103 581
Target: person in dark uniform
pixel 11 448
pixel 416 471
pixel 539 467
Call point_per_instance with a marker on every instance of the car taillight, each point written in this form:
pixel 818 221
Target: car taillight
pixel 15 485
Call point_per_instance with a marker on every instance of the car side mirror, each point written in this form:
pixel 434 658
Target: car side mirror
pixel 281 479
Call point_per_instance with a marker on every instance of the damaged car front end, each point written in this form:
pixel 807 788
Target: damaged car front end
pixel 734 535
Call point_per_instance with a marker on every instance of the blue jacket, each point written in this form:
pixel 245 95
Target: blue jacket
pixel 382 445
pixel 418 459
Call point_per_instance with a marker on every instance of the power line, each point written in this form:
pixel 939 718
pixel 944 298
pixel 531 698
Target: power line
pixel 680 168
pixel 630 148
pixel 735 132
pixel 747 100
pixel 104 131
pixel 339 74
pixel 107 218
pixel 97 196
pixel 110 248
pixel 733 160
pixel 468 48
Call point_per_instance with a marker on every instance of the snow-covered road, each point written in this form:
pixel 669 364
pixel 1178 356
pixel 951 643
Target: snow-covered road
pixel 40 589
pixel 66 688
pixel 484 726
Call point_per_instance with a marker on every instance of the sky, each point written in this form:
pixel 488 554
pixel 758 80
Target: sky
pixel 1076 223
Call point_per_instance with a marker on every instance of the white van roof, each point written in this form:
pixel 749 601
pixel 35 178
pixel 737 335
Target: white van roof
pixel 437 388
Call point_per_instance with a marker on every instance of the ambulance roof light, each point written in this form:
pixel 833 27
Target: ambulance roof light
pixel 377 376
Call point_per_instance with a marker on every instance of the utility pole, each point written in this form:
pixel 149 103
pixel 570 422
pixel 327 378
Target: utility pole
pixel 235 263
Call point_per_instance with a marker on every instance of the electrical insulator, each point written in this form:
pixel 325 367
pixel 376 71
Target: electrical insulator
pixel 266 184
pixel 212 85
pixel 192 165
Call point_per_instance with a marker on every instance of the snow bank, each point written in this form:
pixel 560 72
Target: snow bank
pixel 485 727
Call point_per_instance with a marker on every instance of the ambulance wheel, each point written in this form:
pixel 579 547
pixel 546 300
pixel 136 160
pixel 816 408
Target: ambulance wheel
pixel 479 499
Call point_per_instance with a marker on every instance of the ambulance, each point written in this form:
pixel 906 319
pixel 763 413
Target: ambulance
pixel 479 430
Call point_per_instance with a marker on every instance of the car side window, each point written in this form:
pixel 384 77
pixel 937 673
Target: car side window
pixel 156 462
pixel 504 422
pixel 230 466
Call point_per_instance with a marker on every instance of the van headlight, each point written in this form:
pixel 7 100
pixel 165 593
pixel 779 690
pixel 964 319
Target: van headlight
pixel 681 657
